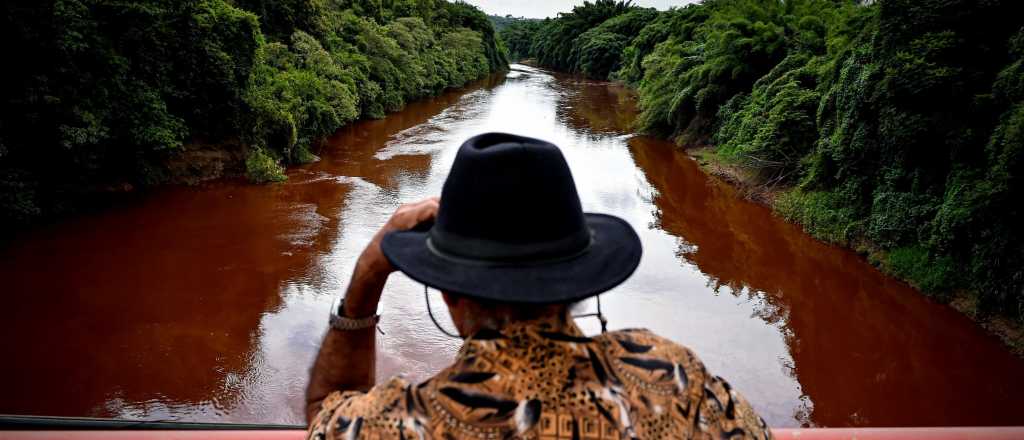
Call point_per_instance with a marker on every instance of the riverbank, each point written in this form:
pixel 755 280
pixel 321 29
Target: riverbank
pixel 913 161
pixel 1009 331
pixel 121 97
pixel 779 197
pixel 199 162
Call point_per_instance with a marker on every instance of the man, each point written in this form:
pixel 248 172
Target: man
pixel 512 250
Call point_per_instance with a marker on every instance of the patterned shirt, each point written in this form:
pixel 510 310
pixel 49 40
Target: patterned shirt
pixel 545 380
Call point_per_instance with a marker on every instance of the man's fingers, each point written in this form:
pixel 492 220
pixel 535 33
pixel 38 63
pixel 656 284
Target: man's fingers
pixel 430 201
pixel 427 209
pixel 414 206
pixel 429 212
pixel 430 204
pixel 409 215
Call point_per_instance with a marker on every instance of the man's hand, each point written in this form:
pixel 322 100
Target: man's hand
pixel 347 359
pixel 372 265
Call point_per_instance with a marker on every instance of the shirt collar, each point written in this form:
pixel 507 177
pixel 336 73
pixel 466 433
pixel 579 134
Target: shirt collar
pixel 542 330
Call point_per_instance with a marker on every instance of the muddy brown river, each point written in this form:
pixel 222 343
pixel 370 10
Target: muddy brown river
pixel 207 303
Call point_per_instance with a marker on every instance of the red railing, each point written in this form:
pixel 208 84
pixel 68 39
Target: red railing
pixel 987 433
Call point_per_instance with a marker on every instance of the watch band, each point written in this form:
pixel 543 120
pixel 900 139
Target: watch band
pixel 344 323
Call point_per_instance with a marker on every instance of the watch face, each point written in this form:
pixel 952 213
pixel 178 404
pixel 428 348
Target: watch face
pixel 338 306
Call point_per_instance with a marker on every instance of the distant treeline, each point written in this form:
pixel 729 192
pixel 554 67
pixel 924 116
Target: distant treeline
pixel 501 22
pixel 895 126
pixel 101 92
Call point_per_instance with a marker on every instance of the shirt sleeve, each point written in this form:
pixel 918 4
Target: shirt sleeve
pixel 724 413
pixel 378 413
pixel 721 411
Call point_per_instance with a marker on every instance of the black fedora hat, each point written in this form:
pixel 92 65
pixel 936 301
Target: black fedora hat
pixel 510 228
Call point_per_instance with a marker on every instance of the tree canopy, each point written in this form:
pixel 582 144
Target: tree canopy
pixel 104 92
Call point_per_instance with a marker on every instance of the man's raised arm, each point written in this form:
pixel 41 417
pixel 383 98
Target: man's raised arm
pixel 347 358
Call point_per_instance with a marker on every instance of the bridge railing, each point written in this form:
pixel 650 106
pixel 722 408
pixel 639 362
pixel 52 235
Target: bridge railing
pixel 965 433
pixel 76 428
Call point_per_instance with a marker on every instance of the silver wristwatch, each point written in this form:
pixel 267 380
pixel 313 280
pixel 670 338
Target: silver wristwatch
pixel 344 323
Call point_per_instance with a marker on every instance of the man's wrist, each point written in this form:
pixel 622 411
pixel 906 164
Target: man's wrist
pixel 356 309
pixel 371 273
pixel 342 320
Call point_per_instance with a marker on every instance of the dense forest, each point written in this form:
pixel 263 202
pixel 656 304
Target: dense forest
pixel 105 96
pixel 895 127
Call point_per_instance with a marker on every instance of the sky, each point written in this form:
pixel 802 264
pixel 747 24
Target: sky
pixel 550 8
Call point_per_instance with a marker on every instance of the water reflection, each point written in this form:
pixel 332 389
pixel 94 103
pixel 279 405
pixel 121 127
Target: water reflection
pixel 208 303
pixel 866 349
pixel 154 310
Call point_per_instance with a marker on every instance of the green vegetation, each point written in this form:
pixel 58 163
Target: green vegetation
pixel 556 43
pixel 260 167
pixel 501 22
pixel 101 93
pixel 894 126
pixel 517 34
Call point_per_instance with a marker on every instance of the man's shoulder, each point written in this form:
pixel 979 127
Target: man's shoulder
pixel 649 365
pixel 641 341
pixel 351 412
pixel 647 359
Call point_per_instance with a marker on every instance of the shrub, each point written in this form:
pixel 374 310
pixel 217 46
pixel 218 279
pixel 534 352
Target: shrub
pixel 773 129
pixel 930 274
pixel 824 214
pixel 260 167
pixel 598 51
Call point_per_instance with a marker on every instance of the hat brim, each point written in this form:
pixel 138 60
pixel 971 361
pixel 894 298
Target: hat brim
pixel 611 258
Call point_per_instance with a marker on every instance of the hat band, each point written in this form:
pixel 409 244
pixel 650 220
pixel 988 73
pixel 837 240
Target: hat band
pixel 454 246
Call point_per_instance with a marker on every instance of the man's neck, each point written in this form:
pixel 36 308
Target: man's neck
pixel 499 318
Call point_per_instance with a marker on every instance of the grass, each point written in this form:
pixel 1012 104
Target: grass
pixel 821 214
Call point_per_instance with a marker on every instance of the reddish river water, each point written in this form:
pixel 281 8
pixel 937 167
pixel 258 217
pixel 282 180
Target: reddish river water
pixel 207 303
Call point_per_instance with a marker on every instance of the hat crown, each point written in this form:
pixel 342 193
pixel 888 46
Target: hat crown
pixel 509 198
